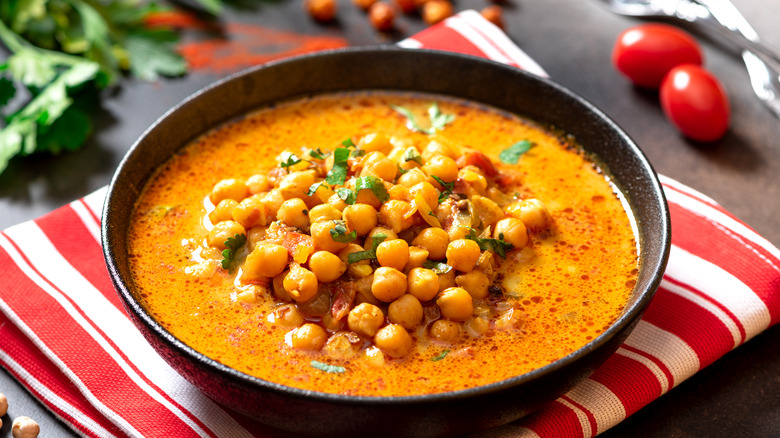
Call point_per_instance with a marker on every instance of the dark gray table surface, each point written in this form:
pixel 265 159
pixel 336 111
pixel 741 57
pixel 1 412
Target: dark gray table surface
pixel 739 395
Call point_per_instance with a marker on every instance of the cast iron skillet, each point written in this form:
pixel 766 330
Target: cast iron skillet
pixel 390 68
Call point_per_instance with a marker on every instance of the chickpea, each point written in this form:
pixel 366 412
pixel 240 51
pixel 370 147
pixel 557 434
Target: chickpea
pixel 400 193
pixel 273 200
pixel 393 340
pixel 412 177
pixel 251 212
pixel 488 211
pixel 423 283
pixel 394 214
pixel 439 165
pixel 336 202
pixel 360 217
pixel 331 323
pixel 3 405
pixel 228 189
pixel 434 240
pixel 309 337
pixel 446 280
pixel 324 212
pixel 321 10
pixel 323 240
pixel 435 11
pixel 222 231
pixel 287 315
pixel 475 282
pixel 375 142
pixel 300 283
pixel 223 211
pixel 296 184
pixel 374 357
pixel 267 260
pixel 428 191
pixel 393 253
pixel 462 254
pixel 326 266
pixel 434 148
pixel 532 212
pixel 293 212
pixel 366 196
pixel 377 164
pixel 417 257
pixel 364 4
pixel 389 284
pixel 369 242
pixel 25 427
pixel 443 330
pixel 513 231
pixel 381 16
pixel 258 183
pixel 342 345
pixel 365 319
pixel 456 303
pixel 493 14
pixel 406 312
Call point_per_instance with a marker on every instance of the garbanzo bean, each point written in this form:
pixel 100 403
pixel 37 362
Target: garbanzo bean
pixel 336 202
pixel 300 283
pixel 455 303
pixel 435 11
pixel 477 326
pixel 393 340
pixel 342 345
pixel 251 212
pixel 324 212
pixel 406 312
pixel 446 280
pixel 258 183
pixel 326 266
pixel 381 16
pixel 294 212
pixel 513 231
pixel 321 10
pixel 417 257
pixel 223 211
pixel 400 193
pixel 365 319
pixel 389 284
pixel 441 166
pixel 267 260
pixel 462 254
pixel 377 164
pixel 532 212
pixel 375 142
pixel 228 189
pixel 287 315
pixel 360 217
pixel 309 337
pixel 423 283
pixel 475 282
pixel 428 191
pixel 369 242
pixel 296 184
pixel 443 330
pixel 412 177
pixel 394 214
pixel 323 240
pixel 273 200
pixel 434 240
pixel 222 231
pixel 393 253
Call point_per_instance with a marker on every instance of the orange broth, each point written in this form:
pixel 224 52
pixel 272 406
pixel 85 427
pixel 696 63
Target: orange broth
pixel 571 282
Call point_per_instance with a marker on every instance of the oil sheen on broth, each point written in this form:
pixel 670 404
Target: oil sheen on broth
pixel 562 289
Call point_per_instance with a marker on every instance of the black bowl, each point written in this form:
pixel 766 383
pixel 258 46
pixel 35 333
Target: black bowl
pixel 390 68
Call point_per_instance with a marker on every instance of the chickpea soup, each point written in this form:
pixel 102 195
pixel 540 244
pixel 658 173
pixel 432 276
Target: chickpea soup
pixel 382 244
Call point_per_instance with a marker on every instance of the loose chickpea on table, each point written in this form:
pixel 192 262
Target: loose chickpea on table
pixel 367 247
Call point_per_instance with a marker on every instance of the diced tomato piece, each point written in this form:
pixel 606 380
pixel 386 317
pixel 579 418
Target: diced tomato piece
pixel 480 160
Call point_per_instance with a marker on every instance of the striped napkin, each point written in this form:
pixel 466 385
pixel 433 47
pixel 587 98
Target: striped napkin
pixel 66 338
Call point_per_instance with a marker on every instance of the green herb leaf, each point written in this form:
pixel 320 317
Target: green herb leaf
pixel 232 244
pixel 438 119
pixel 333 369
pixel 511 155
pixel 152 54
pixel 341 234
pixel 370 254
pixel 348 143
pixel 440 356
pixel 7 90
pixel 338 173
pixel 437 267
pixel 357 153
pixel 411 155
pixel 291 160
pixel 346 195
pixel 373 183
pixel 214 7
pixel 314 187
pixel 498 246
pixel 448 187
pixel 318 154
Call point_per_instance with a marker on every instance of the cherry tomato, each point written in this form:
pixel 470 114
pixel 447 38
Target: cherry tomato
pixel 696 102
pixel 647 52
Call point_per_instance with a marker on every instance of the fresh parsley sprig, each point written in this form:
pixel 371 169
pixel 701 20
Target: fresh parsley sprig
pixel 438 120
pixel 511 155
pixel 232 245
pixel 340 233
pixel 376 239
pixel 498 246
pixel 447 188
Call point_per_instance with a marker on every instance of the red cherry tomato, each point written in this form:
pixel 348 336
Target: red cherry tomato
pixel 647 52
pixel 696 102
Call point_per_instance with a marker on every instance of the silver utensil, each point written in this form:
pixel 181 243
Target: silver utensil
pixel 721 18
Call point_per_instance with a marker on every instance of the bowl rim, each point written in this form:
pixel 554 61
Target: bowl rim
pixel 630 313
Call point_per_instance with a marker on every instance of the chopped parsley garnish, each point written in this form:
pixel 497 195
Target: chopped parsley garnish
pixel 233 244
pixel 291 160
pixel 314 187
pixel 357 153
pixel 412 155
pixel 440 356
pixel 437 267
pixel 448 188
pixel 341 234
pixel 373 183
pixel 511 155
pixel 346 195
pixel 438 119
pixel 498 246
pixel 348 143
pixel 338 173
pixel 317 154
pixel 332 369
pixel 370 254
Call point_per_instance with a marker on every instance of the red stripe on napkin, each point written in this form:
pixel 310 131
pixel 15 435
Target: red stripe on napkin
pixel 66 338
